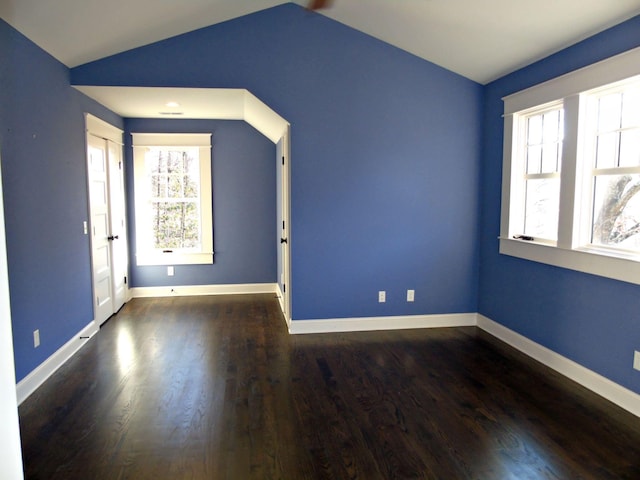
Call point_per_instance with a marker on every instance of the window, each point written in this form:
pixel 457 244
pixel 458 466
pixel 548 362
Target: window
pixel 571 171
pixel 539 164
pixel 613 153
pixel 172 181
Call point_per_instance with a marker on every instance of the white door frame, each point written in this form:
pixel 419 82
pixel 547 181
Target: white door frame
pixel 118 226
pixel 10 449
pixel 99 129
pixel 285 227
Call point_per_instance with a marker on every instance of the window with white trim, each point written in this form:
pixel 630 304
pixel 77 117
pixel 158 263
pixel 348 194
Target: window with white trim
pixel 172 182
pixel 571 170
pixel 539 159
pixel 613 153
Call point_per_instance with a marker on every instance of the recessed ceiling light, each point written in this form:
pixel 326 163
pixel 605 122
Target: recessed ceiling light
pixel 172 104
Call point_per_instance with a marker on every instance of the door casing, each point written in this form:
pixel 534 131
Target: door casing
pixel 107 218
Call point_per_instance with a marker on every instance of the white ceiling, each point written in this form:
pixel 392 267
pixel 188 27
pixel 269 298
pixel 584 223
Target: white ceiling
pixel 479 39
pixel 190 103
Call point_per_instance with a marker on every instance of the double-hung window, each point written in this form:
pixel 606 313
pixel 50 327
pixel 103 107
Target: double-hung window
pixel 613 153
pixel 173 203
pixel 540 138
pixel 571 170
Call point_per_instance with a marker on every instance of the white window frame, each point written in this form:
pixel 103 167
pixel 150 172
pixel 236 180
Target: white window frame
pixel 146 254
pixel 571 250
pixel 520 176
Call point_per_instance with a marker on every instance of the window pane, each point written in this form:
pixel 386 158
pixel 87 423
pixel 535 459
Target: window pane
pixel 541 208
pixel 606 151
pixel 174 189
pixel 534 130
pixel 534 154
pixel 550 158
pixel 630 148
pixel 551 126
pixel 609 110
pixel 174 176
pixel 191 186
pixel 158 186
pixel 175 225
pixel 544 142
pixel 156 161
pixel 631 108
pixel 616 211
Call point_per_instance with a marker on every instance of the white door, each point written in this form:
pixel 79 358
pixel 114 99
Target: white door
pixel 285 228
pixel 100 228
pixel 10 449
pixel 107 209
pixel 118 225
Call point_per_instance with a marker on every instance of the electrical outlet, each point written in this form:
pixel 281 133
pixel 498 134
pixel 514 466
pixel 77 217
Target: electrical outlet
pixel 36 338
pixel 170 271
pixel 382 296
pixel 636 360
pixel 411 294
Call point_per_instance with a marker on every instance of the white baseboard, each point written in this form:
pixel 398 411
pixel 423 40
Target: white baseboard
pixel 381 323
pixel 280 296
pixel 193 290
pixel 595 382
pixel 28 384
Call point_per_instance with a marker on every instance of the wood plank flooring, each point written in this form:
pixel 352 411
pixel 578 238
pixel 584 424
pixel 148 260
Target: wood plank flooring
pixel 215 388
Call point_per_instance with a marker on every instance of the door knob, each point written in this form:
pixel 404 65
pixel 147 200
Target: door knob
pixel 283 240
pixel 111 238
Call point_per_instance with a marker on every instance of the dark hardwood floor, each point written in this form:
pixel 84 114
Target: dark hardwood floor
pixel 215 388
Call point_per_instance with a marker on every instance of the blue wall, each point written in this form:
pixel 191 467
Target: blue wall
pixel 384 155
pixel 42 145
pixel 591 320
pixel 387 164
pixel 244 205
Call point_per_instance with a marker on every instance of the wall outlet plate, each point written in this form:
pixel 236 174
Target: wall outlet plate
pixel 170 271
pixel 382 296
pixel 411 295
pixel 636 360
pixel 36 338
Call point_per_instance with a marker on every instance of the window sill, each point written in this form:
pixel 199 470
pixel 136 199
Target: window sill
pixel 592 261
pixel 145 259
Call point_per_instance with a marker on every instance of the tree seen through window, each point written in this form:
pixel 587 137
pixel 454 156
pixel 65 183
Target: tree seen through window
pixel 175 198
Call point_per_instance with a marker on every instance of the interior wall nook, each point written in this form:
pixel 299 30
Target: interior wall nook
pixel 218 104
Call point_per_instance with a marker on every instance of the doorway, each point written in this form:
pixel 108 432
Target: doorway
pixel 107 218
pixel 283 213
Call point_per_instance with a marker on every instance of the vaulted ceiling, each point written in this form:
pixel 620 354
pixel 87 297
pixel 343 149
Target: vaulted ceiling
pixel 479 39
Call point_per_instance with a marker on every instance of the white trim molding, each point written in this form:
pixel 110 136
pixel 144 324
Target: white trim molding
pixel 195 290
pixel 280 296
pixel 362 324
pixel 42 372
pixel 595 382
pixel 615 393
pixel 610 70
pixel 102 129
pixel 568 243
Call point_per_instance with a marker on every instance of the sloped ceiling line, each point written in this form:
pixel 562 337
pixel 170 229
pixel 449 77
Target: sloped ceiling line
pixel 480 40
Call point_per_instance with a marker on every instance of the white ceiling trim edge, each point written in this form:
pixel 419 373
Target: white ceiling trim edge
pixel 192 103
